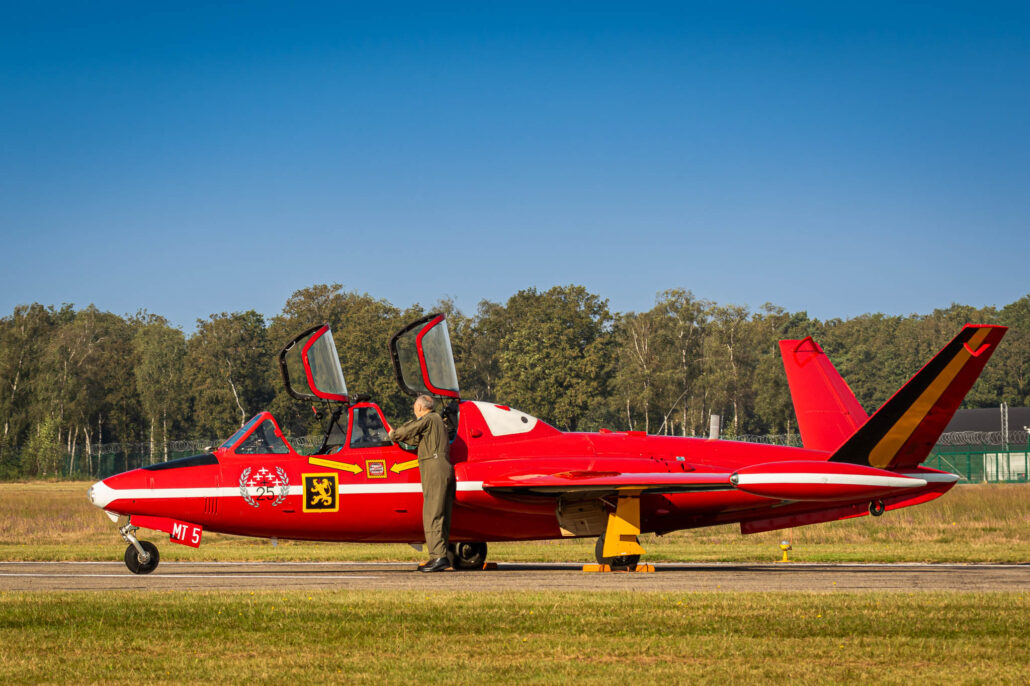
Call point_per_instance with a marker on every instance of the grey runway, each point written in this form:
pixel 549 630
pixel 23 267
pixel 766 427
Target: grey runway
pixel 675 577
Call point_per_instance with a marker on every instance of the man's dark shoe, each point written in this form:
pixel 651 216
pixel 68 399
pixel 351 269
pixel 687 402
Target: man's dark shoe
pixel 437 565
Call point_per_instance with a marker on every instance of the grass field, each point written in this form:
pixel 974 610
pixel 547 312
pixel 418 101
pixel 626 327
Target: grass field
pixel 543 637
pixel 536 638
pixel 975 523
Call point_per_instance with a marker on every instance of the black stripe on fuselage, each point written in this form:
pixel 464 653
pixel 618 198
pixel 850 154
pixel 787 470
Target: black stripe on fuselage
pixel 191 461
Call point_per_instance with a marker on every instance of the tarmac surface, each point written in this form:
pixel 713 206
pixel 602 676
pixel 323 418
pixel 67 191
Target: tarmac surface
pixel 212 576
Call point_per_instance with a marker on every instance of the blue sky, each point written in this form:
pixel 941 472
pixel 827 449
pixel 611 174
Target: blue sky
pixel 192 158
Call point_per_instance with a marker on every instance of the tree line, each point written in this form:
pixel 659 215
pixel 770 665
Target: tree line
pixel 73 379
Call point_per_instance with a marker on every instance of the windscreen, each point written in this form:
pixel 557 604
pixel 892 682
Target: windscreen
pixel 263 441
pixel 242 430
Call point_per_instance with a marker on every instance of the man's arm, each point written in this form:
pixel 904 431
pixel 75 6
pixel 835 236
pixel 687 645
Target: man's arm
pixel 411 432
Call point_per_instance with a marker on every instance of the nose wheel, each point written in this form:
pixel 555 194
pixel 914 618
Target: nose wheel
pixel 141 557
pixel 142 563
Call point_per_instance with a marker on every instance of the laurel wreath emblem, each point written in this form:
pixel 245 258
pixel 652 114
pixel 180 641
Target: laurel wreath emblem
pixel 243 488
pixel 284 488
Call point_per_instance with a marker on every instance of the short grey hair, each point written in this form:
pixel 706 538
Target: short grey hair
pixel 425 402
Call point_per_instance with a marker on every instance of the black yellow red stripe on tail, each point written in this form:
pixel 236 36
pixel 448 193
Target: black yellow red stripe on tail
pixel 904 430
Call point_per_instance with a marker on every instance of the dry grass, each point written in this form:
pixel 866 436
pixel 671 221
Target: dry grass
pixel 526 638
pixel 977 523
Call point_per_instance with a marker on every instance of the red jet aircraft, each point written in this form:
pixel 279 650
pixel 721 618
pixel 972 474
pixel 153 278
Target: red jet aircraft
pixel 519 478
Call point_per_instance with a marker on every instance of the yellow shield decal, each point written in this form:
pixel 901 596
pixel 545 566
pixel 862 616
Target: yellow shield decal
pixel 321 492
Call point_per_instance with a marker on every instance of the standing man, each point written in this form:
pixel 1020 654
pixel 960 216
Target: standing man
pixel 427 431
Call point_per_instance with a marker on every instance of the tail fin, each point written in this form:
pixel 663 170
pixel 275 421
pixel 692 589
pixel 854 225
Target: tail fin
pixel 826 408
pixel 903 431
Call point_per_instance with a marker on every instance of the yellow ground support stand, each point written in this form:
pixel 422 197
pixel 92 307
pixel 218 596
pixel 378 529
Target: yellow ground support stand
pixel 606 568
pixel 623 527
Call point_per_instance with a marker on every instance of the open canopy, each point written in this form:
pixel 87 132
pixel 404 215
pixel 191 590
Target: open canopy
pixel 312 356
pixel 423 360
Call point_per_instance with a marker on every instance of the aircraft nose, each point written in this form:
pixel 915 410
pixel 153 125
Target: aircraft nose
pixel 100 494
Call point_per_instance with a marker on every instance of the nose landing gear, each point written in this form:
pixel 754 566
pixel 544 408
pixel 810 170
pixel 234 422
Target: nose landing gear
pixel 141 557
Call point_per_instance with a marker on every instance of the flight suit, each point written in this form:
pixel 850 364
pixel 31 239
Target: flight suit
pixel 438 485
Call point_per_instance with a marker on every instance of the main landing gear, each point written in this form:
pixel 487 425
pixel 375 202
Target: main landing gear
pixel 141 557
pixel 618 547
pixel 618 562
pixel 466 555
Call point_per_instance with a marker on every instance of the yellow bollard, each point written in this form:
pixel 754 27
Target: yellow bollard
pixel 785 546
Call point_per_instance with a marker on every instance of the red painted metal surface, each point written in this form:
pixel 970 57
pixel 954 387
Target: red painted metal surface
pixel 826 408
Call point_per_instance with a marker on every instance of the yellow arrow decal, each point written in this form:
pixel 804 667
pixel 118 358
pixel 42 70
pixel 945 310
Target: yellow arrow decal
pixel 403 466
pixel 342 466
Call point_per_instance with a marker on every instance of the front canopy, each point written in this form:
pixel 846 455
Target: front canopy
pixel 312 355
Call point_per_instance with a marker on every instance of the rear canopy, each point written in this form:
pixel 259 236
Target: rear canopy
pixel 423 360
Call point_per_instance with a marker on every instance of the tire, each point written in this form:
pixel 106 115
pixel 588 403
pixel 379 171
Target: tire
pixel 466 555
pixel 617 562
pixel 132 560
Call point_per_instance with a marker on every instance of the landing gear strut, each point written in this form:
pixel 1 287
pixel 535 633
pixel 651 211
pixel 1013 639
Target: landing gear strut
pixel 141 557
pixel 465 555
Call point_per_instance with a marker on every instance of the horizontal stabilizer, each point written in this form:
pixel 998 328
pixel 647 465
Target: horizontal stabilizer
pixel 826 408
pixel 904 430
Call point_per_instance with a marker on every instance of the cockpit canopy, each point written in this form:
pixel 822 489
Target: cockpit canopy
pixel 312 356
pixel 423 360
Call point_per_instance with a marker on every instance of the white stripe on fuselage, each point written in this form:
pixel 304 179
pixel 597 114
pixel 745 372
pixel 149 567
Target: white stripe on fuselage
pixel 104 495
pixel 805 478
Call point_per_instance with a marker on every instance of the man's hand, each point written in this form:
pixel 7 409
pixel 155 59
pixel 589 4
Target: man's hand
pixel 390 436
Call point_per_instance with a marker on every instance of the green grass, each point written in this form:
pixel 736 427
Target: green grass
pixel 975 523
pixel 536 638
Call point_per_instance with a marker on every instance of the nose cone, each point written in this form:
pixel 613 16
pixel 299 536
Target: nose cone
pixel 100 494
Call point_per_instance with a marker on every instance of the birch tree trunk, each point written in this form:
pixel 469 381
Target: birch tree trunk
pixel 75 446
pixel 89 451
pixel 228 376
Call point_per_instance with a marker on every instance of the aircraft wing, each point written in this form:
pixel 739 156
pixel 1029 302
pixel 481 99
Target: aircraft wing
pixel 586 481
